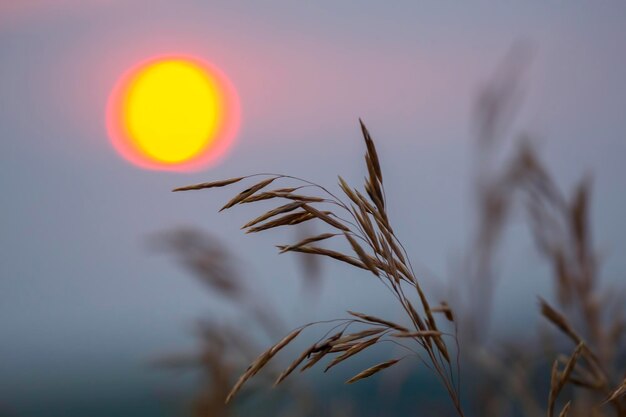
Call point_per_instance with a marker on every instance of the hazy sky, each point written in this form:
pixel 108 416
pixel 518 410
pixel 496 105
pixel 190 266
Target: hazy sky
pixel 81 297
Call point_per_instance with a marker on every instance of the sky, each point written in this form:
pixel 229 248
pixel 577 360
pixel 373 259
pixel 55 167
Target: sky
pixel 85 304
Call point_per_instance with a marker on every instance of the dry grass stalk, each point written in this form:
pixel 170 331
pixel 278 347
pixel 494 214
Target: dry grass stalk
pixel 371 371
pixel 373 319
pixel 562 233
pixel 324 252
pixel 617 392
pixel 322 352
pixel 445 309
pixel 325 217
pixel 306 241
pixel 351 351
pixel 214 184
pixel 381 254
pixel 565 409
pixel 584 314
pixel 559 321
pixel 344 340
pixel 279 210
pixel 375 248
pixel 225 349
pixel 559 379
pixel 247 193
pixel 287 220
pixel 260 362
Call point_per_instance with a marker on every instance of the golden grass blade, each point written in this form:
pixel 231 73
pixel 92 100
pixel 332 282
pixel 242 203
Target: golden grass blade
pixel 294 365
pixel 247 193
pixel 287 220
pixel 441 346
pixel 279 210
pixel 368 227
pixel 303 198
pixel 571 363
pixel 286 190
pixel 430 319
pixel 559 379
pixel 375 196
pixel 431 326
pixel 373 182
pixel 371 371
pixel 565 409
pixel 214 184
pixel 347 190
pixel 324 252
pixel 268 195
pixel 332 339
pixel 342 347
pixel 371 150
pixel 394 245
pixel 282 194
pixel 284 342
pixel 316 358
pixel 356 336
pixel 260 362
pixel 373 319
pixel 364 257
pixel 320 349
pixel 617 392
pixel 554 387
pixel 558 320
pixel 308 240
pixel 445 309
pixel 415 316
pixel 368 206
pixel 359 347
pixel 325 217
pixel 387 264
pixel 381 220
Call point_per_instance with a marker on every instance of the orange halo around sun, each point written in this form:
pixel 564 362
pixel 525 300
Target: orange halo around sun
pixel 158 120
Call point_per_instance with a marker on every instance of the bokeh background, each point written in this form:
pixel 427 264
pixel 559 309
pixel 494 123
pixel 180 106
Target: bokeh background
pixel 86 304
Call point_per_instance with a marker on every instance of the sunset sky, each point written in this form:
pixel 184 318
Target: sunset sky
pixel 85 304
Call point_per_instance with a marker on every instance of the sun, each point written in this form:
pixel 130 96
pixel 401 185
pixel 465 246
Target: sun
pixel 173 113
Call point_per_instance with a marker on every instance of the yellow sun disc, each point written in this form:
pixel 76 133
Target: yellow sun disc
pixel 171 110
pixel 172 113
